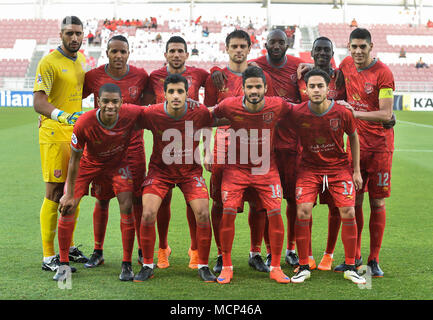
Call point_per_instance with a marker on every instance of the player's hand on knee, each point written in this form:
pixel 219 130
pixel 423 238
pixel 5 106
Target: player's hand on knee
pixel 66 205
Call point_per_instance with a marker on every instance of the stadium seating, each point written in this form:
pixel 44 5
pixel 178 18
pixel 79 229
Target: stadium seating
pixel 13 67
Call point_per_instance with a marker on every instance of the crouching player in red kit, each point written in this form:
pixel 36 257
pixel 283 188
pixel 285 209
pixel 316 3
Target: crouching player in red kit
pixel 321 124
pixel 175 160
pixel 98 146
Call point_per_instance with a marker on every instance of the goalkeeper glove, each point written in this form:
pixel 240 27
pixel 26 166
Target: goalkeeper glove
pixel 65 117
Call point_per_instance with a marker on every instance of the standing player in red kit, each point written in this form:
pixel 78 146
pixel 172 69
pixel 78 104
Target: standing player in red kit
pixel 283 70
pixel 174 124
pixel 176 55
pixel 253 118
pixel 238 46
pixel 99 144
pixel 369 89
pixel 132 82
pixel 322 53
pixel 321 125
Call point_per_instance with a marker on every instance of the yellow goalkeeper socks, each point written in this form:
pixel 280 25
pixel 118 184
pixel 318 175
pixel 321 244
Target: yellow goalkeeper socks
pixel 48 220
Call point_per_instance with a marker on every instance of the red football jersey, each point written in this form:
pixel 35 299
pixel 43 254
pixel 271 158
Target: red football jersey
pixel 334 93
pixel 196 78
pixel 362 90
pixel 232 88
pixel 132 86
pixel 253 129
pixel 106 146
pixel 285 79
pixel 173 160
pixel 322 136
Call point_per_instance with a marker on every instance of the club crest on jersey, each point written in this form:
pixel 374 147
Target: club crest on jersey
pixel 57 173
pixel 368 88
pixel 268 116
pixel 334 124
pixel 133 92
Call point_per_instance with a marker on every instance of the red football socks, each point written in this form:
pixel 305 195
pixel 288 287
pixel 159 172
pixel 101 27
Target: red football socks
pixel 276 235
pixel 216 217
pixel 349 236
pixel 100 219
pixel 303 236
pixel 128 233
pixel 65 229
pixel 163 221
pixel 204 238
pixel 377 228
pixel 227 234
pixel 334 222
pixel 291 217
pixel 147 240
pixel 137 211
pixel 256 221
pixel 359 216
pixel 192 227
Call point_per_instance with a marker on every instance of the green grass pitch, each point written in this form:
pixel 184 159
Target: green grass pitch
pixel 406 256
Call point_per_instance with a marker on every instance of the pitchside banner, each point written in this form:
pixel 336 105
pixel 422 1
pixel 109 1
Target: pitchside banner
pixel 413 101
pixel 25 99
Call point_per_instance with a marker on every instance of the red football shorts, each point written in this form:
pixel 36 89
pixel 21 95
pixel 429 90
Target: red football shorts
pixel 287 162
pixel 119 180
pixel 193 187
pixel 236 181
pixel 376 173
pixel 137 170
pixel 339 185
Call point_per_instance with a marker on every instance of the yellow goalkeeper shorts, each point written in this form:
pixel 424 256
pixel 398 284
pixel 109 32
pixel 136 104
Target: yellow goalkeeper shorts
pixel 54 161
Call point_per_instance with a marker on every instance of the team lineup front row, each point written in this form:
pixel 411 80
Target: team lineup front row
pixel 296 124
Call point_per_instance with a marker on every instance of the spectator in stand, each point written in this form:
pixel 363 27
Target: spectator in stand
pixel 205 32
pixel 158 37
pixel 90 37
pixel 197 21
pixel 194 51
pixel 153 22
pixel 421 64
pixel 402 53
pixel 354 24
pixel 146 23
pixel 429 24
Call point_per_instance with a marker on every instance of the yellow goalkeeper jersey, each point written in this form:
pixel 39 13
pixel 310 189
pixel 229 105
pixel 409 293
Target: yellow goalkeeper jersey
pixel 61 78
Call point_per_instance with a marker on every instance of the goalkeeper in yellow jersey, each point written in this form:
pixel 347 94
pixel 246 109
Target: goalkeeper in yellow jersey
pixel 58 98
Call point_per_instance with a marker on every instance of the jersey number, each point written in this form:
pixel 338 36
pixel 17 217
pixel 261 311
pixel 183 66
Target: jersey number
pixel 348 187
pixel 383 179
pixel 200 181
pixel 276 191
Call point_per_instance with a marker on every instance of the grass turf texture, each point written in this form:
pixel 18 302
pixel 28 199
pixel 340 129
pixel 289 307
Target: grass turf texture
pixel 405 256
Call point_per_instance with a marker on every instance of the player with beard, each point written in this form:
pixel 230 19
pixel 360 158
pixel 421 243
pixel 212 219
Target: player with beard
pixel 57 98
pixel 238 46
pixel 257 116
pixel 132 82
pixel 176 54
pixel 282 68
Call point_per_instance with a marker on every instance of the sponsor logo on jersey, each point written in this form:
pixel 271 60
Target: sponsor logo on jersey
pixel 39 79
pixel 334 124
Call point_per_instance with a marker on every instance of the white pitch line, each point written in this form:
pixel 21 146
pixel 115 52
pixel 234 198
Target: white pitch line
pixel 416 124
pixel 413 150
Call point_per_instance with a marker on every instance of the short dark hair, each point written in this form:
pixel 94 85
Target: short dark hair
pixel 175 78
pixel 322 39
pixel 360 33
pixel 118 38
pixel 238 34
pixel 70 20
pixel 176 39
pixel 110 87
pixel 317 72
pixel 253 72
